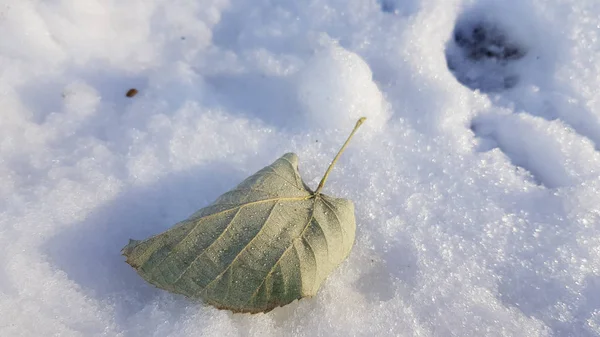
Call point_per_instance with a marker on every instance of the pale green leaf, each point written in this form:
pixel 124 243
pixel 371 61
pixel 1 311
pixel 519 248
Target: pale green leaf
pixel 269 241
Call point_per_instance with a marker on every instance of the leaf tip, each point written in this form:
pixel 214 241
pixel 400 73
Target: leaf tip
pixel 292 158
pixel 130 246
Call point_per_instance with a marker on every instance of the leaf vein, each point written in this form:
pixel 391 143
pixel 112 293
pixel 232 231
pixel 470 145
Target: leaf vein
pixel 299 262
pixel 204 218
pixel 305 240
pixel 209 246
pixel 283 178
pixel 296 177
pixel 282 255
pixel 327 203
pixel 243 249
pixel 324 237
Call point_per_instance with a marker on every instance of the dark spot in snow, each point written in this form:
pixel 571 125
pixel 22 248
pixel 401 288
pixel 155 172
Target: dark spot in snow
pixel 131 92
pixel 387 6
pixel 481 55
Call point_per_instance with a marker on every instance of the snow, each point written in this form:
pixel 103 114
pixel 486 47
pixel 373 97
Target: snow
pixel 336 87
pixel 476 188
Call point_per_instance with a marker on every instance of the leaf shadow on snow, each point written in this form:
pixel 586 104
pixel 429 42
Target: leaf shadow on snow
pixel 394 270
pixel 89 252
pixel 384 250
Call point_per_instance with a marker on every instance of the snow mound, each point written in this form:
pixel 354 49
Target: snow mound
pixel 336 88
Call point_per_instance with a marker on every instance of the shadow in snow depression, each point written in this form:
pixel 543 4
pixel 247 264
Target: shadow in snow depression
pixel 486 53
pixel 90 252
pixel 400 7
pixel 525 148
pixel 272 99
pixel 517 72
pixel 481 55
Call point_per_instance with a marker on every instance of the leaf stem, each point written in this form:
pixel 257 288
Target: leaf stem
pixel 337 156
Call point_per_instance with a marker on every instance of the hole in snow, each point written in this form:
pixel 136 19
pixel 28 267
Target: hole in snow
pixel 481 54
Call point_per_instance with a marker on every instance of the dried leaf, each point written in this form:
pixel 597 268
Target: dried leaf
pixel 269 241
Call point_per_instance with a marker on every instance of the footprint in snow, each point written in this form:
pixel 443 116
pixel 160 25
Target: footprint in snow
pixel 481 56
pixel 547 140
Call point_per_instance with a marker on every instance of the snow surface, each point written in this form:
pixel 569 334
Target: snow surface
pixel 478 205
